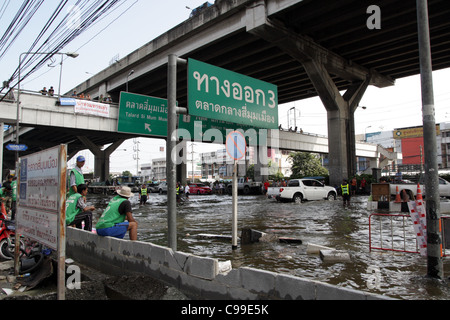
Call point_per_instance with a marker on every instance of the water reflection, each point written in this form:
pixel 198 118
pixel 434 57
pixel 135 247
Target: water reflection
pixel 402 275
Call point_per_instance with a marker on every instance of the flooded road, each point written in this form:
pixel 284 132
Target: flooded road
pixel 327 223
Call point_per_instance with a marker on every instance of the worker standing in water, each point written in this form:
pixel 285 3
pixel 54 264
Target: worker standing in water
pixel 345 187
pixel 143 194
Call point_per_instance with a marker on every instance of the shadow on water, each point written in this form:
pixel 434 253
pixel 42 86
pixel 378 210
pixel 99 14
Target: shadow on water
pixel 327 223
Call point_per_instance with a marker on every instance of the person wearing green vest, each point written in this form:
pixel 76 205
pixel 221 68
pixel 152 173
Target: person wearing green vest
pixel 143 194
pixel 345 188
pixel 77 211
pixel 76 176
pixel 118 218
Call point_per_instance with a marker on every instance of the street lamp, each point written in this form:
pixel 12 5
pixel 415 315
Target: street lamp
pixel 69 54
pixel 129 74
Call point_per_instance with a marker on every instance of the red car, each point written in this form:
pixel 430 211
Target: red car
pixel 199 189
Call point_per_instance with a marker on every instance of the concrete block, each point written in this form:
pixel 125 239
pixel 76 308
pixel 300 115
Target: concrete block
pixel 294 288
pixel 231 279
pixel 158 254
pixel 326 291
pixel 259 281
pixel 315 248
pixel 201 267
pixel 334 256
pixel 372 205
pixel 177 260
pixel 395 206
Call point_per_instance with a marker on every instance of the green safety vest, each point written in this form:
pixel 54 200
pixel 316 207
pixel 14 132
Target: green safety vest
pixel 71 208
pixel 14 190
pixel 345 189
pixel 143 192
pixel 111 215
pixel 79 179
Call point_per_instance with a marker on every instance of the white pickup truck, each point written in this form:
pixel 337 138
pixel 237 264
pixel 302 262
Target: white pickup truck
pixel 298 190
pixel 246 186
pixel 411 188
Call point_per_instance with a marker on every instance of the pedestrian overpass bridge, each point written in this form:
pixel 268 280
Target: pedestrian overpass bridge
pixel 44 124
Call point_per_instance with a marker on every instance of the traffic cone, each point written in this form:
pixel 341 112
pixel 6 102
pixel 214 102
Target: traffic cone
pixel 419 193
pixel 397 195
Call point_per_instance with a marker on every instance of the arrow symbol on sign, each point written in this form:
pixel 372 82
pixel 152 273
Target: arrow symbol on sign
pixel 147 127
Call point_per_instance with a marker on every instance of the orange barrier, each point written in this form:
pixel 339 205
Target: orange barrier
pixel 397 195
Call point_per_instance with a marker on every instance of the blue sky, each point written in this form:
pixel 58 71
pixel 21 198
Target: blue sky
pixel 137 22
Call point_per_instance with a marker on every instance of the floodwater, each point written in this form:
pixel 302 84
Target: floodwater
pixel 395 274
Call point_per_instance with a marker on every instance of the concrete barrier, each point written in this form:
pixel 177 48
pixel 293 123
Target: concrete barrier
pixel 197 277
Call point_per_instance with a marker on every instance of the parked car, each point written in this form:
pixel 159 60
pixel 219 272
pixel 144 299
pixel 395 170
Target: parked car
pixel 162 187
pixel 198 188
pixel 153 187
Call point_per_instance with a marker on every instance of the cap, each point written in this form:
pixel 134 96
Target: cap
pixel 80 159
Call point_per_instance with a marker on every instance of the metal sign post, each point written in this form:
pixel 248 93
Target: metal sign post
pixel 236 148
pixel 171 142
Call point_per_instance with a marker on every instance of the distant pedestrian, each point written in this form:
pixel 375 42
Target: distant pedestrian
pixel 44 91
pixel 51 91
pixel 186 191
pixel 345 188
pixel 118 218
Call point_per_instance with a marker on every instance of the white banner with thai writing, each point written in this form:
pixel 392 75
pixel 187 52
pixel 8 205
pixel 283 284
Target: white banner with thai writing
pixel 39 203
pixel 417 212
pixel 92 108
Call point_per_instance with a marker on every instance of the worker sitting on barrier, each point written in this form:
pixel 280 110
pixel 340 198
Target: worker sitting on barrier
pixel 77 211
pixel 118 218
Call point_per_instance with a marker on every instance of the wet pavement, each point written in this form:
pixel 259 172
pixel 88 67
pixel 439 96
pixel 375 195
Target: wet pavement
pixel 327 223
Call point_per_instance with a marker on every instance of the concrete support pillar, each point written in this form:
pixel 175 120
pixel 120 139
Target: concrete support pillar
pixel 341 124
pixel 101 167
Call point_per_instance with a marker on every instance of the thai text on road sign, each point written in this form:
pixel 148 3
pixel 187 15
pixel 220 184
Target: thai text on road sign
pixel 221 94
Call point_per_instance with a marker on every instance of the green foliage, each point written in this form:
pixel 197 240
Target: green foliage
pixel 306 164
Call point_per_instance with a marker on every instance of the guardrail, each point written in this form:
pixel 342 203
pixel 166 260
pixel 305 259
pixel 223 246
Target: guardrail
pixel 396 233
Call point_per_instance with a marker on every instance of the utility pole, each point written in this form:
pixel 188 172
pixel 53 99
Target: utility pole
pixel 434 237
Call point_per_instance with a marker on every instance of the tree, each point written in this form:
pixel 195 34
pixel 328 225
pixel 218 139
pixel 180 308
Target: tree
pixel 306 164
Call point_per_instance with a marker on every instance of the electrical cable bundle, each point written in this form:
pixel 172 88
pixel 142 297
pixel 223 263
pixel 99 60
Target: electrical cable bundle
pixel 68 25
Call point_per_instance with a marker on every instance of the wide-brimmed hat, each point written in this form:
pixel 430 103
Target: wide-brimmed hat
pixel 125 192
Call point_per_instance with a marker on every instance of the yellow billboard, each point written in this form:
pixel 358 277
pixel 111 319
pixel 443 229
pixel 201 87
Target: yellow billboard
pixel 412 132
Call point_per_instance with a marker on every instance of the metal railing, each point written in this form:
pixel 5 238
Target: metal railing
pixel 395 232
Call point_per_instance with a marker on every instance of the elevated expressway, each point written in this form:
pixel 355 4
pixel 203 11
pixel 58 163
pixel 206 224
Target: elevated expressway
pixel 45 124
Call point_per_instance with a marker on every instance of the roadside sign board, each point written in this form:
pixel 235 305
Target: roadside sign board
pixel 39 199
pixel 17 147
pixel 221 94
pixel 142 114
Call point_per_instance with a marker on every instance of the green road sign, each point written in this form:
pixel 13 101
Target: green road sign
pixel 141 114
pixel 221 94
